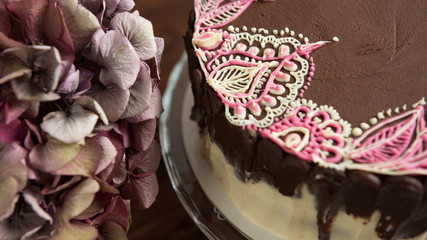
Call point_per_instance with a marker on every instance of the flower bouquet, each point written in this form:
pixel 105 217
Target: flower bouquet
pixel 79 106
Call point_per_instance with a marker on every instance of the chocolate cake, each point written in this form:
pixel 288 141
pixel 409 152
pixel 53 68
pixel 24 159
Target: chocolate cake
pixel 321 101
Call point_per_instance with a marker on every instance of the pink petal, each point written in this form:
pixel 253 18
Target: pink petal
pixel 81 23
pixel 111 7
pixel 14 131
pixel 55 29
pixel 143 134
pixel 139 31
pixel 6 42
pixel 119 61
pixel 14 108
pixel 11 158
pixel 31 14
pixel 112 99
pixel 52 155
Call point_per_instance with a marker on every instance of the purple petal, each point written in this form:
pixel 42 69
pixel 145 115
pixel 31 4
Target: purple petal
pixel 119 61
pixel 78 199
pixel 4 19
pixel 111 7
pixel 84 163
pixel 153 111
pixel 147 161
pixel 139 31
pixel 52 155
pixel 70 127
pixel 81 23
pixel 119 175
pixel 69 79
pixel 108 153
pixel 143 134
pixel 112 231
pixel 112 99
pixel 141 191
pixel 90 104
pixel 125 5
pixel 116 211
pixel 140 94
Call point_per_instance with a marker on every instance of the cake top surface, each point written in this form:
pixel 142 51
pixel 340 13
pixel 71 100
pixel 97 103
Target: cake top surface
pixel 339 83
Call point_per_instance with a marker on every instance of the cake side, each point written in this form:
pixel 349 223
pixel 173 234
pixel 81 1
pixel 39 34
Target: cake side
pixel 399 199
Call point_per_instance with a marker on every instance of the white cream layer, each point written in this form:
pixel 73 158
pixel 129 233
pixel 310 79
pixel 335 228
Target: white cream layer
pixel 286 217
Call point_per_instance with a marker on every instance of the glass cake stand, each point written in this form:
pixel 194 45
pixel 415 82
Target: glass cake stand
pixel 179 137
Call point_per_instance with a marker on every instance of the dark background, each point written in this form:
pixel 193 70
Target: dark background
pixel 166 218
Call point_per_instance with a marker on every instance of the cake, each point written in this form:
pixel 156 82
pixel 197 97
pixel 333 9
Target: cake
pixel 314 113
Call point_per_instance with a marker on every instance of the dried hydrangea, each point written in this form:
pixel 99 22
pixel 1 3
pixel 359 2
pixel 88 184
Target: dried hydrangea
pixel 79 106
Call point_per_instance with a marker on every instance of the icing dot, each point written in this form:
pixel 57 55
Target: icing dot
pixel 335 39
pixel 397 110
pixel 275 32
pixel 364 126
pixel 282 32
pixel 237 29
pixel 245 28
pixel 404 107
pixel 253 30
pixel 300 35
pixel 292 33
pixel 389 112
pixel 230 28
pixel 287 30
pixel 380 115
pixel 373 121
pixel 306 40
pixel 357 132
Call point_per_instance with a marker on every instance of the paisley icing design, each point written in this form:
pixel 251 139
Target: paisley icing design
pixel 395 144
pixel 261 79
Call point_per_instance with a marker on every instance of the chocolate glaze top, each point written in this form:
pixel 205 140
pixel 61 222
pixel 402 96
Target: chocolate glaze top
pixel 380 61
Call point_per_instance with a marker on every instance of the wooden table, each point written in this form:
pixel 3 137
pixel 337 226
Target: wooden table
pixel 166 218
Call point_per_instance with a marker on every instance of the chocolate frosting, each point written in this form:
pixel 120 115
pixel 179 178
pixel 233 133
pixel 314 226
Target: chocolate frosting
pixel 379 62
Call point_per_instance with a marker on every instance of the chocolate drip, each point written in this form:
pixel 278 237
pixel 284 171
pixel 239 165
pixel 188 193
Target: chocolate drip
pixel 399 198
pixel 326 185
pixel 361 193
